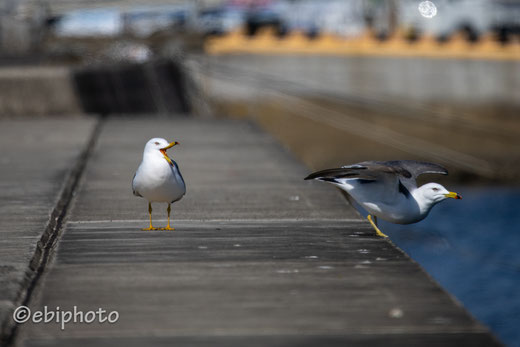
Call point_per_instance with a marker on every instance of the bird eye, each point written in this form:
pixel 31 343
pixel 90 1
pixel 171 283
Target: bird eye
pixel 435 189
pixel 157 143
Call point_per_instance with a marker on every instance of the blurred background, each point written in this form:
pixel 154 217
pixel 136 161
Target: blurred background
pixel 336 81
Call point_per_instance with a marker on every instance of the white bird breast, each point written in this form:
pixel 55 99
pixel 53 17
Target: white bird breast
pixel 157 181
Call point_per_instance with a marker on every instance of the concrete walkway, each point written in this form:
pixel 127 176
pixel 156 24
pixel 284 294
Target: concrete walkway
pixel 259 258
pixel 35 165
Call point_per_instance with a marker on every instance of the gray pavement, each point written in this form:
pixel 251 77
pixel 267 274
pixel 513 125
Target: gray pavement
pixel 232 171
pixel 259 257
pixel 37 156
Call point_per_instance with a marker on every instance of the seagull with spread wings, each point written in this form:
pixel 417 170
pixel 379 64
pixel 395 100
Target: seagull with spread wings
pixel 388 190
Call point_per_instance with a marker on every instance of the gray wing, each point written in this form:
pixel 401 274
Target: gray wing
pixel 176 169
pixel 394 177
pixel 417 168
pixel 136 193
pixel 405 170
pixel 360 171
pixel 409 170
pixel 378 178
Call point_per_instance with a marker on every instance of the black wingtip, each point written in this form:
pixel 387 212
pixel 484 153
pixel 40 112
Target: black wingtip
pixel 319 178
pixel 329 175
pixel 312 176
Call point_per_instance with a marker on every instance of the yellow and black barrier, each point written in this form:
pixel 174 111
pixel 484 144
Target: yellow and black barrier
pixel 267 42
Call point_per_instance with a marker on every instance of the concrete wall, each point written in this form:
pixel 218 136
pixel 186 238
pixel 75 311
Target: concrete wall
pixel 155 87
pixel 448 81
pixel 37 91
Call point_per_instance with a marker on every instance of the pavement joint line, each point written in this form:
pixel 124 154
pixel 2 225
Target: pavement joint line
pixel 51 234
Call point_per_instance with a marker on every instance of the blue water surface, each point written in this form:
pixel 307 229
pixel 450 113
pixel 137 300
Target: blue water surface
pixel 472 248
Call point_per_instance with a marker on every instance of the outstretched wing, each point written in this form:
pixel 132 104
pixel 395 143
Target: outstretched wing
pixel 411 169
pixel 390 177
pixel 379 180
pixel 417 168
pixel 368 170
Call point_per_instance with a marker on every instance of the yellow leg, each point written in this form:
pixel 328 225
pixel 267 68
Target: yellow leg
pixel 378 232
pixel 150 213
pixel 169 209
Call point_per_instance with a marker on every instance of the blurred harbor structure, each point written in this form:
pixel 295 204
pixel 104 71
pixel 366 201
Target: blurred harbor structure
pixel 382 55
pixel 21 25
pixel 458 113
pixel 28 25
pixel 361 58
pixel 398 45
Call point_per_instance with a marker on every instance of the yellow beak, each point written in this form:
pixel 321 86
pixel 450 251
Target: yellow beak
pixel 453 195
pixel 163 151
pixel 170 145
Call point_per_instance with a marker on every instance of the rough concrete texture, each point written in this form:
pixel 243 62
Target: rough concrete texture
pixel 36 158
pixel 259 258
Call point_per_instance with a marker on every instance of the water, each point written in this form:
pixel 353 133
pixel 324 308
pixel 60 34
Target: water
pixel 471 247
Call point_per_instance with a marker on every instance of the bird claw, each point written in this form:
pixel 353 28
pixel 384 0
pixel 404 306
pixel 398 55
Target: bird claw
pixel 167 228
pixel 378 232
pixel 148 229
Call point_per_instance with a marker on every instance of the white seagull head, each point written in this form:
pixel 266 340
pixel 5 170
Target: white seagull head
pixel 433 193
pixel 157 147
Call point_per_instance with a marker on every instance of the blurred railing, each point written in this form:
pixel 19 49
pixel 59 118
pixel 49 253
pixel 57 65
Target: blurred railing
pixel 267 42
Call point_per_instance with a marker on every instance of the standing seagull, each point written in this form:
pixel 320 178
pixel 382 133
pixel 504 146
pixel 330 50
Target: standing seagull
pixel 387 189
pixel 158 178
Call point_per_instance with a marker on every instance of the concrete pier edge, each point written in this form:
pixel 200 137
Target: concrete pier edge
pixel 50 236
